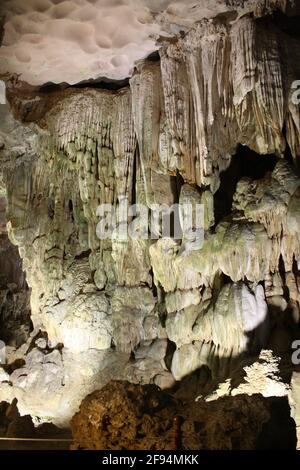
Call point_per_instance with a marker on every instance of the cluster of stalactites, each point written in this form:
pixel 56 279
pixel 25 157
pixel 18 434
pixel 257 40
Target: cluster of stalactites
pixel 227 85
pixel 220 85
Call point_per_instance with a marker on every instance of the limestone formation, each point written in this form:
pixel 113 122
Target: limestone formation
pixel 211 119
pixel 294 403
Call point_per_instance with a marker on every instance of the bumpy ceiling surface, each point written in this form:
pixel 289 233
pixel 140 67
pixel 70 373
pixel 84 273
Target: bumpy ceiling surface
pixel 76 40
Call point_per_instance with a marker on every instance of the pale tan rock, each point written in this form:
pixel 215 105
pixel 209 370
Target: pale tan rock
pixel 261 377
pixel 294 395
pixel 164 138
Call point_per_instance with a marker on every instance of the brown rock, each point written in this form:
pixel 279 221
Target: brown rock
pixel 127 416
pixel 21 427
pixel 124 416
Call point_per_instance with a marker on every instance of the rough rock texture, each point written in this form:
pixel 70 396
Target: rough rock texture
pixel 124 416
pixel 52 381
pixel 260 377
pixel 15 323
pixel 127 416
pixel 218 102
pixel 294 402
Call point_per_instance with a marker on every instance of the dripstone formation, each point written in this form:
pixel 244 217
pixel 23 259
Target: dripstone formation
pixel 212 120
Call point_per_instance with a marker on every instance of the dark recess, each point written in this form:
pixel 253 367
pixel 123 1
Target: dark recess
pixel 245 163
pixel 289 25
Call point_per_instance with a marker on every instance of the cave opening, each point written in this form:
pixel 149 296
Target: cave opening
pixel 244 163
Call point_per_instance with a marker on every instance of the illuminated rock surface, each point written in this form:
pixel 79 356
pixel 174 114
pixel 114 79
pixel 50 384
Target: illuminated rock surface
pixel 211 120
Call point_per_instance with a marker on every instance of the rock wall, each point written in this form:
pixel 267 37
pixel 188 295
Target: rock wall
pixel 155 310
pixel 15 323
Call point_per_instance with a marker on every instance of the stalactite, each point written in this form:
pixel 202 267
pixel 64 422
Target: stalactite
pixel 112 307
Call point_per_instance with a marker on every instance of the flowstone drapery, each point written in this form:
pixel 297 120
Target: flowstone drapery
pixel 156 310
